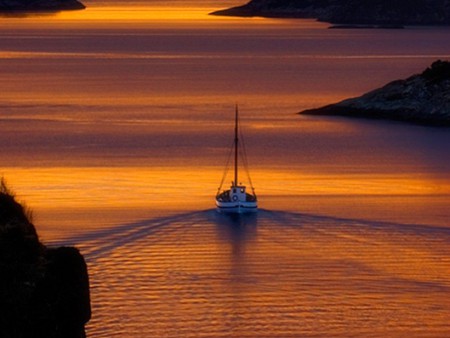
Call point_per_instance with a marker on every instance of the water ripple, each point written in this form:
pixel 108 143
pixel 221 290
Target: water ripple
pixel 273 274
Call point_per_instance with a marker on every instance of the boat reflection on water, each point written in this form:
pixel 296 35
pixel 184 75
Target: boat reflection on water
pixel 235 220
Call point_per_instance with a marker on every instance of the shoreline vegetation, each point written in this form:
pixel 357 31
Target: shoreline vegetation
pixel 420 99
pixel 349 12
pixel 25 7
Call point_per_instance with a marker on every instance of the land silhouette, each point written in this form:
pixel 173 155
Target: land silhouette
pixel 421 99
pixel 17 7
pixel 44 291
pixel 360 12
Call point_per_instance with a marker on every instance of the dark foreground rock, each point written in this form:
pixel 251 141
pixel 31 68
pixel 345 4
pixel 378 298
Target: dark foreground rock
pixel 44 292
pixel 29 6
pixel 362 12
pixel 421 99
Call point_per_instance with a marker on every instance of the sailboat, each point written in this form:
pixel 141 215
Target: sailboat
pixel 236 199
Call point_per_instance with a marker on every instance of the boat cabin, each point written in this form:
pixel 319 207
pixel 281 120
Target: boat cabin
pixel 238 193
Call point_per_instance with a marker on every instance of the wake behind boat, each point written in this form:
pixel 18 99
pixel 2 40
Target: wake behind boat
pixel 236 199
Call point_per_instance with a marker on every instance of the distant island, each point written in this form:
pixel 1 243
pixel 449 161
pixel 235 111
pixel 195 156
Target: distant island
pixel 350 12
pixel 32 6
pixel 421 99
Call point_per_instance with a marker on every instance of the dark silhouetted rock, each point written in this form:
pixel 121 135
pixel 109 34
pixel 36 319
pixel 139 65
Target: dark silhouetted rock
pixel 360 12
pixel 422 99
pixel 8 6
pixel 44 292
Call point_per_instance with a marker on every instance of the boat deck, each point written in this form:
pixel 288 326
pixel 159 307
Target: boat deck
pixel 225 196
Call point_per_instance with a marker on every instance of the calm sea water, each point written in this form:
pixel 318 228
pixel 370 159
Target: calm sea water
pixel 116 123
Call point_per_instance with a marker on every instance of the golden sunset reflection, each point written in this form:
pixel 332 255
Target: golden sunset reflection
pixel 133 14
pixel 116 122
pixel 140 16
pixel 83 187
pixel 59 190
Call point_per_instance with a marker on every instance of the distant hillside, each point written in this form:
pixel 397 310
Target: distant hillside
pixel 370 12
pixel 423 99
pixel 8 6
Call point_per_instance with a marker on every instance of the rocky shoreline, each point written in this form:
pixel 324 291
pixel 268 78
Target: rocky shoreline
pixel 420 99
pixel 353 12
pixel 44 291
pixel 25 6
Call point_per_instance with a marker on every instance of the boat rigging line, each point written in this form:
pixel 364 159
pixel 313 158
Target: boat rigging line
pixel 227 167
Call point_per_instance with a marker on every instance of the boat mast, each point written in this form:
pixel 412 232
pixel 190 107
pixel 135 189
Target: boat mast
pixel 236 141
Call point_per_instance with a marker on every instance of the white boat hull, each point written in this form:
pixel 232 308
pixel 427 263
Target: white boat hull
pixel 236 207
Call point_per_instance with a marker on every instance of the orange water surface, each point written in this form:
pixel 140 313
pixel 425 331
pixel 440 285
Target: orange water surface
pixel 116 122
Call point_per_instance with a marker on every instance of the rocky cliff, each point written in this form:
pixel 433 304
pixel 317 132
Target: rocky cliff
pixel 423 99
pixel 361 12
pixel 7 6
pixel 44 292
